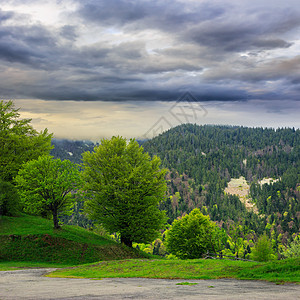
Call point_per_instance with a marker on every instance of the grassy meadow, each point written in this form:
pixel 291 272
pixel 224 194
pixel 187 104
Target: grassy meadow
pixel 32 225
pixel 33 239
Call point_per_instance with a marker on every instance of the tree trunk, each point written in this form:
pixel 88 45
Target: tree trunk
pixel 55 219
pixel 127 241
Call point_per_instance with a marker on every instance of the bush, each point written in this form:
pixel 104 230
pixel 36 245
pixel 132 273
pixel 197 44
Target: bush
pixel 263 250
pixel 192 236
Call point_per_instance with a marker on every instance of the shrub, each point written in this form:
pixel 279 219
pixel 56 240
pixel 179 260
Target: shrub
pixel 192 236
pixel 263 250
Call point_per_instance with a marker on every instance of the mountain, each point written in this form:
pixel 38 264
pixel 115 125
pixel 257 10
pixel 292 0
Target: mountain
pixel 237 175
pixel 203 160
pixel 71 150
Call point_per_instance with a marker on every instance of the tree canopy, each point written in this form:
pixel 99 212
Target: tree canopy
pixel 193 235
pixel 19 141
pixel 45 186
pixel 125 187
pixel 9 199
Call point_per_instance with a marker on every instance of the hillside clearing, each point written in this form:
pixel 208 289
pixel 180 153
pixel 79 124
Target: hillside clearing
pixel 267 180
pixel 240 188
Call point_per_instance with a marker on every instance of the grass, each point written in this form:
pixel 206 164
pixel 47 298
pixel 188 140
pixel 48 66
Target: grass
pixel 279 271
pixel 16 265
pixel 32 225
pixel 33 239
pixel 31 242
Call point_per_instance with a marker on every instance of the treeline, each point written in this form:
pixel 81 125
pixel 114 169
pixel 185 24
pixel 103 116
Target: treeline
pixel 205 152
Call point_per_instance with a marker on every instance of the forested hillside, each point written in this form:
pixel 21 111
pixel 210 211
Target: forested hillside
pixel 71 150
pixel 203 159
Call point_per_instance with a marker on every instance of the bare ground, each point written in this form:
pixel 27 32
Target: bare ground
pixel 240 187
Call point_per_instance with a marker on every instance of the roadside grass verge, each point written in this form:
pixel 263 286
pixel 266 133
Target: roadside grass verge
pixel 278 271
pixel 17 265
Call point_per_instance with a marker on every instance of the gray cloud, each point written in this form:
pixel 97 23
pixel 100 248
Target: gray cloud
pixel 68 32
pixel 284 70
pixel 30 45
pixel 5 15
pixel 246 31
pixel 152 50
pixel 271 43
pixel 165 15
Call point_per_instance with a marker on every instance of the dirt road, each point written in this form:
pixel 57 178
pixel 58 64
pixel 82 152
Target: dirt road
pixel 30 284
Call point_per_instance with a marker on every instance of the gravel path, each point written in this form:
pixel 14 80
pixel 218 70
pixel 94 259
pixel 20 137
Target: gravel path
pixel 30 284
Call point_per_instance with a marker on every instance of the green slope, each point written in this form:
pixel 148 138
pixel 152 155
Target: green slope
pixel 29 238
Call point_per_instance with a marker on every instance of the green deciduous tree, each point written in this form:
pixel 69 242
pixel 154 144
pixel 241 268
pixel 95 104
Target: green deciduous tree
pixel 19 142
pixel 193 235
pixel 125 187
pixel 9 199
pixel 45 186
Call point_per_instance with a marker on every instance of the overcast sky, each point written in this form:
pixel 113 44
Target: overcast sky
pixel 92 69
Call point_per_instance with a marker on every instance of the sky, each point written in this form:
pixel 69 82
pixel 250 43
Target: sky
pixel 95 68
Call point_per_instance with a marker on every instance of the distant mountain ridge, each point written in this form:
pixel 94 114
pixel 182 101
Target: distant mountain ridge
pixel 71 150
pixel 268 152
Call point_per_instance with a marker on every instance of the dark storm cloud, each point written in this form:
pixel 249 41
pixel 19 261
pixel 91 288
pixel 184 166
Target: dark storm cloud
pixel 151 50
pixel 218 27
pixel 12 53
pixel 165 15
pixel 31 45
pixel 245 32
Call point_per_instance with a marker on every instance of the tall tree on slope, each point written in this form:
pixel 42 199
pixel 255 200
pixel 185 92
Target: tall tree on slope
pixel 125 187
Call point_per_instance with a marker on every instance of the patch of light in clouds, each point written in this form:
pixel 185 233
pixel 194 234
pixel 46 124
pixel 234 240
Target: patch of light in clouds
pixel 90 120
pixel 95 120
pixel 45 12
